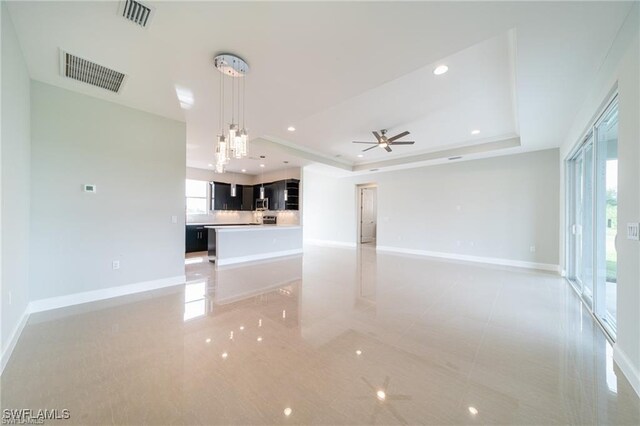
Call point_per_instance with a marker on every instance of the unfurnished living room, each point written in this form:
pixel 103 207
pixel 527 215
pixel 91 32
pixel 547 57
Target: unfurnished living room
pixel 320 212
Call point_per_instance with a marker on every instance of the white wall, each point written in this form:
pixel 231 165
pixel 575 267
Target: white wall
pixel 15 154
pixel 492 208
pixel 136 160
pixel 621 69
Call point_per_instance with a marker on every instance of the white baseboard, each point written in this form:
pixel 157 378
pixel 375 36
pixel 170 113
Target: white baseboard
pixel 477 259
pixel 627 368
pixel 104 293
pixel 255 257
pixel 13 339
pixel 329 243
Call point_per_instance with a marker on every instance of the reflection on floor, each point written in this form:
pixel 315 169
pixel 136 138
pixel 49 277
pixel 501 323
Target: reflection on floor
pixel 338 337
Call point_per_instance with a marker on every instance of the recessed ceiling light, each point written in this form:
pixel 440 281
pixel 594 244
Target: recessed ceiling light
pixel 360 155
pixel 475 132
pixel 291 129
pixel 208 340
pixel 473 410
pixel 210 165
pixel 440 69
pixel 224 355
pixel 358 352
pixel 244 170
pixel 261 165
pixel 259 339
pixel 381 395
pixel 287 411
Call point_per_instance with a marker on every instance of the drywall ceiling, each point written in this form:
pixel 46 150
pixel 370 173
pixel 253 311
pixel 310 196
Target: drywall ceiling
pixel 337 70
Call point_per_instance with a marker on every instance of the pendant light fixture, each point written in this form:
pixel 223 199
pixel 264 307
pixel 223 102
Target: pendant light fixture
pixel 286 191
pixel 262 185
pixel 231 143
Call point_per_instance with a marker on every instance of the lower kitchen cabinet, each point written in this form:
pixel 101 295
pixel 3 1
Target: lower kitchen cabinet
pixel 196 238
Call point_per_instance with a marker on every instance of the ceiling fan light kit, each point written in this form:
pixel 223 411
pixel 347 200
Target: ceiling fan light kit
pixel 386 143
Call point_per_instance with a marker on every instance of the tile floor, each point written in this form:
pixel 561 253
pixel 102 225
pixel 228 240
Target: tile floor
pixel 336 336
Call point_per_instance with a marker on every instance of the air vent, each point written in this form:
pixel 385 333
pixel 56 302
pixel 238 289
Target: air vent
pixel 136 12
pixel 91 73
pixel 454 158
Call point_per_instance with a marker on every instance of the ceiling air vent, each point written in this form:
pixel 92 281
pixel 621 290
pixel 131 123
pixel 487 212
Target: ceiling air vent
pixel 91 73
pixel 135 12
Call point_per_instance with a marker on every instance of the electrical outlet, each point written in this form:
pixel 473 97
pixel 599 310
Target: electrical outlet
pixel 532 249
pixel 633 231
pixel 115 264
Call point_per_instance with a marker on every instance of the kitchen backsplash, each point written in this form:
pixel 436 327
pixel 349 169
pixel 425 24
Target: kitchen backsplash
pixel 287 217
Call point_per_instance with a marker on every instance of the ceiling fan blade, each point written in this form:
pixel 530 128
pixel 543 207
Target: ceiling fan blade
pixel 376 135
pixel 398 136
pixel 388 148
pixel 365 150
pixel 403 143
pixel 374 143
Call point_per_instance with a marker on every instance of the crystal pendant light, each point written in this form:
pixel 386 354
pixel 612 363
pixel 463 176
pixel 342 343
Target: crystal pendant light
pixel 286 191
pixel 231 142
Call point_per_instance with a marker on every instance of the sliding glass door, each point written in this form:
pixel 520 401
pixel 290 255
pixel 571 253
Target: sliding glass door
pixel 607 215
pixel 592 173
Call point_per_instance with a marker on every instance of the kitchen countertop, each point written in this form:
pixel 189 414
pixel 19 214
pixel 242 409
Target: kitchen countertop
pixel 252 227
pixel 218 224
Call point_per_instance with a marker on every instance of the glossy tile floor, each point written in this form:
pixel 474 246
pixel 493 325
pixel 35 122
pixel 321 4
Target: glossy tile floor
pixel 335 337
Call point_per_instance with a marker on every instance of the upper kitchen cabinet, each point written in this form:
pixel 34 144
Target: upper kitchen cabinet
pixel 275 192
pixel 225 198
pixel 293 194
pixel 245 197
pixel 276 196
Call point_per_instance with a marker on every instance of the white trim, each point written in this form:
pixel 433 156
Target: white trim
pixel 15 335
pixel 627 368
pixel 104 293
pixel 329 243
pixel 478 259
pixel 254 257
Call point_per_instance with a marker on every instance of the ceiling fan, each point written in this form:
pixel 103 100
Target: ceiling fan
pixel 385 142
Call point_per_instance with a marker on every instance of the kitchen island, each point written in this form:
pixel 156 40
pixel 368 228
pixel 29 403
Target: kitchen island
pixel 229 245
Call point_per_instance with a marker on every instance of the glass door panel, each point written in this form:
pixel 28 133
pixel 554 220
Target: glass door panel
pixel 575 268
pixel 607 216
pixel 586 262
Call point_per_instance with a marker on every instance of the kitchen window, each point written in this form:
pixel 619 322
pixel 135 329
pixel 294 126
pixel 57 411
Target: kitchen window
pixel 197 195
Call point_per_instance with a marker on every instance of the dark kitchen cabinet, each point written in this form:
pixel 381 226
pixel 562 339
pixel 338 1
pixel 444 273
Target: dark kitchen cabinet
pixel 196 238
pixel 221 195
pixel 223 198
pixel 293 194
pixel 276 198
pixel 247 198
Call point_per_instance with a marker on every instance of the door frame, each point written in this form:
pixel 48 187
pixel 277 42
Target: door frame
pixel 358 195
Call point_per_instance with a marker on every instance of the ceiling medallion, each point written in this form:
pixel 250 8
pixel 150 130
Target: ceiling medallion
pixel 232 140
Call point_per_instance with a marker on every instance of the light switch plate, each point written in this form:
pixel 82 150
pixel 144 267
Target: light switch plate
pixel 89 187
pixel 174 219
pixel 633 231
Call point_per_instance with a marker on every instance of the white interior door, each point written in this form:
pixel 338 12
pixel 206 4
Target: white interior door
pixel 368 215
